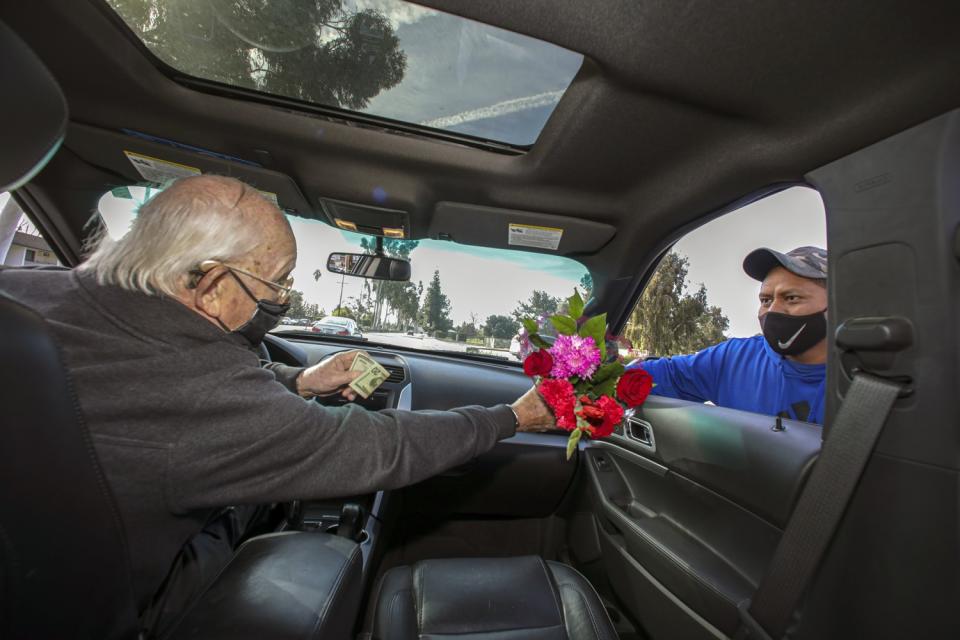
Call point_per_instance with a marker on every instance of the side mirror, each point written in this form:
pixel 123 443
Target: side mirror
pixel 365 265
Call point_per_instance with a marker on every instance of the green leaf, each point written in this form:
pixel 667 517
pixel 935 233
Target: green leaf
pixel 530 325
pixel 606 388
pixel 575 303
pixel 609 370
pixel 572 442
pixel 565 325
pixel 538 342
pixel 596 328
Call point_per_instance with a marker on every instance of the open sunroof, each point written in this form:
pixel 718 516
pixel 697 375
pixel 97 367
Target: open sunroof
pixel 385 58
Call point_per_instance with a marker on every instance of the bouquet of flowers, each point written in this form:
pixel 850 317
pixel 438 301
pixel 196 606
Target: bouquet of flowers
pixel 581 376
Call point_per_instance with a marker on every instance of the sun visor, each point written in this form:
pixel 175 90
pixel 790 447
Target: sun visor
pixel 142 158
pixel 33 112
pixel 510 229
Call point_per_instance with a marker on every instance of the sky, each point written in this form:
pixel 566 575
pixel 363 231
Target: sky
pixel 786 220
pixel 472 78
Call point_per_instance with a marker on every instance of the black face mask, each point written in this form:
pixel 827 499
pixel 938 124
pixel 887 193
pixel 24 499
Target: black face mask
pixel 266 317
pixel 792 335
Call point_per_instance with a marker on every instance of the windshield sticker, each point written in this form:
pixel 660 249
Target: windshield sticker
pixel 527 235
pixel 159 171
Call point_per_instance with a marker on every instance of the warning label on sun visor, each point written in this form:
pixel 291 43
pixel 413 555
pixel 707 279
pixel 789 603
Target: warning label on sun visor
pixel 528 235
pixel 160 171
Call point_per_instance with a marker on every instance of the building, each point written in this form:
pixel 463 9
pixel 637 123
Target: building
pixel 29 248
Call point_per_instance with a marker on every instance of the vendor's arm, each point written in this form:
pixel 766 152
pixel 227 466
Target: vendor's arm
pixel 694 377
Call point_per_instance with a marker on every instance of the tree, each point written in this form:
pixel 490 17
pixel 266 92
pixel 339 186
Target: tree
pixel 400 298
pixel 466 330
pixel 586 286
pixel 311 50
pixel 667 320
pixel 300 308
pixel 540 303
pixel 503 327
pixel 435 312
pixel 342 312
pixel 296 305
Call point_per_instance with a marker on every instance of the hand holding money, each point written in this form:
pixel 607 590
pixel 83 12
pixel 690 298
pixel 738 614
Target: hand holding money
pixel 372 374
pixel 335 374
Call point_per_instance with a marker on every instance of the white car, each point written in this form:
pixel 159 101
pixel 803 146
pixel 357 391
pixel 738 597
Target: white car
pixel 337 326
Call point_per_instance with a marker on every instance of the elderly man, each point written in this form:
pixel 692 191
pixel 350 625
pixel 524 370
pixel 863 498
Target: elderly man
pixel 783 371
pixel 157 331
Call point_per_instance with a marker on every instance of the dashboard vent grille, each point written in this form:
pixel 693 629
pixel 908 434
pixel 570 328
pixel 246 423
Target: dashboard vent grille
pixel 397 375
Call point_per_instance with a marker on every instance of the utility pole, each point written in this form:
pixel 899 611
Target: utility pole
pixel 341 292
pixel 9 219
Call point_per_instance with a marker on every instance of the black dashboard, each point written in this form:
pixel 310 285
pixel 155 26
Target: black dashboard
pixel 523 476
pixel 417 380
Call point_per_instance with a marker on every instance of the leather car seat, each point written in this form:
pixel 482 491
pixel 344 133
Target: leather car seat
pixel 57 579
pixel 523 598
pixel 64 570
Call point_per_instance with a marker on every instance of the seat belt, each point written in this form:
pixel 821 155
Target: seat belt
pixel 822 504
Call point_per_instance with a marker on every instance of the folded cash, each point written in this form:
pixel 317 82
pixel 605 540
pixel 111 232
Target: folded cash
pixel 373 375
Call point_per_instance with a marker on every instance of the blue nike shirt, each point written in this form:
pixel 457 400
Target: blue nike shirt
pixel 746 374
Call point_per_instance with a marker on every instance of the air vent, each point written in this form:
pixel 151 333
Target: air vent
pixel 397 374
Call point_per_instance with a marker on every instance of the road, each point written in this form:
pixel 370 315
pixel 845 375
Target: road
pixel 415 342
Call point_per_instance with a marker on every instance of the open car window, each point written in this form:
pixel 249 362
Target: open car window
pixel 460 298
pixel 696 327
pixel 21 242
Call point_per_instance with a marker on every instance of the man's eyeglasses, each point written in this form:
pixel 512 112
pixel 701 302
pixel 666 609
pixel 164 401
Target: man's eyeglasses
pixel 283 288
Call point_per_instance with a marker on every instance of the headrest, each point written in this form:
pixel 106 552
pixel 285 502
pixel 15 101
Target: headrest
pixel 33 112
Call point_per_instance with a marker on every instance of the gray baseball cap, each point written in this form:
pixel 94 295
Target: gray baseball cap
pixel 806 262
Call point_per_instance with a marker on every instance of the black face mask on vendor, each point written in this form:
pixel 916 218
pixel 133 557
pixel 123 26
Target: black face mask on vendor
pixel 792 335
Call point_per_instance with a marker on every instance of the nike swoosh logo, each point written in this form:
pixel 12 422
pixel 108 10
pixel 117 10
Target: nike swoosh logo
pixel 786 345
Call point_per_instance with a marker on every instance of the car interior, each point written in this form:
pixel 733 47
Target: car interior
pixel 678 114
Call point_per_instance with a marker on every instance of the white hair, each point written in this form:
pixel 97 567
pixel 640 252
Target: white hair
pixel 173 233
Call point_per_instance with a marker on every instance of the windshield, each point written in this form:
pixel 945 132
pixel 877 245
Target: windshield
pixel 459 298
pixel 384 58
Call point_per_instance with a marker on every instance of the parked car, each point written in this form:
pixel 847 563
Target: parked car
pixel 337 326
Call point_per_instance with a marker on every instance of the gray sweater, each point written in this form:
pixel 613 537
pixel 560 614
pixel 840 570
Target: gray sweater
pixel 185 421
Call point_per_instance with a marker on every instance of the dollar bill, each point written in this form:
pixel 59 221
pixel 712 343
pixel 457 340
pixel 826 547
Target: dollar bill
pixel 372 377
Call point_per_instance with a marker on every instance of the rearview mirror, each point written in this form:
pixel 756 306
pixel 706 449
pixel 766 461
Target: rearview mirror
pixel 365 265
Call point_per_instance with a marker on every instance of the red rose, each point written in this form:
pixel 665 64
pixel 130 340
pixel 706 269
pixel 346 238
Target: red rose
pixel 612 416
pixel 538 363
pixel 558 395
pixel 602 415
pixel 634 387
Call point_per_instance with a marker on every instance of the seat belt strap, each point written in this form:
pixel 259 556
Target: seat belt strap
pixel 821 505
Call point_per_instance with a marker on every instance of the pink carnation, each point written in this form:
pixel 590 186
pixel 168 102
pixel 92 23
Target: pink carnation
pixel 574 356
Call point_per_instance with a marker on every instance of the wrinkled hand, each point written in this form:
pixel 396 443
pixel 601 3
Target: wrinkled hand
pixel 329 377
pixel 533 413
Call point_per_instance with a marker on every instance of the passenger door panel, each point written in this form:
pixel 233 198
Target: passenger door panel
pixel 688 525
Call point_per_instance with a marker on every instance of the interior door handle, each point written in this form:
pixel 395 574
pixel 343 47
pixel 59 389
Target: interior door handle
pixel 641 432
